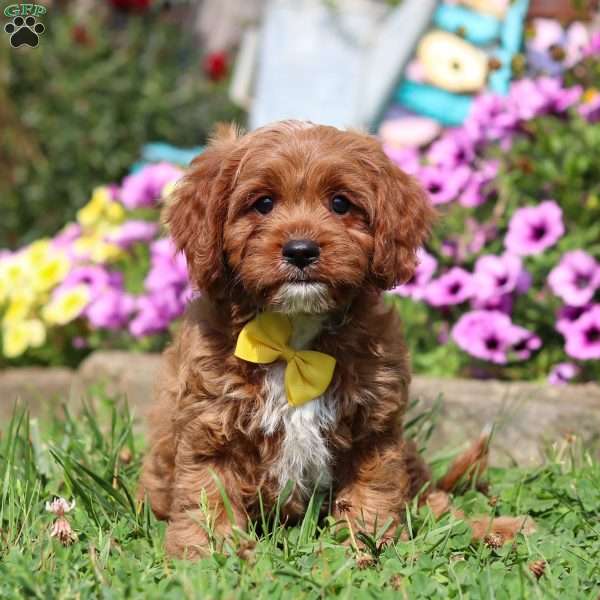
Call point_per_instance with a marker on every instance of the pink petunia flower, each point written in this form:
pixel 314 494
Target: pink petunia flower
pixel 491 336
pixel 111 309
pixel 133 232
pixel 532 229
pixel 583 336
pixel 567 315
pixel 408 159
pixel 496 276
pixel 453 287
pixel 144 187
pixel 576 278
pixel 562 373
pixel 454 149
pixel 444 184
pixel 475 192
pixel 415 287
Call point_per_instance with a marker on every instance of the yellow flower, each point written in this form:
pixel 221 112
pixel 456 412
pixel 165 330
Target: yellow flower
pixel 94 248
pixel 17 337
pixel 114 212
pixel 101 208
pixel 92 212
pixel 19 307
pixel 168 189
pixel 37 332
pixel 51 272
pixel 14 273
pixel 37 251
pixel 104 252
pixel 67 306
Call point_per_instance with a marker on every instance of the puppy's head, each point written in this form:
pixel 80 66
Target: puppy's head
pixel 297 217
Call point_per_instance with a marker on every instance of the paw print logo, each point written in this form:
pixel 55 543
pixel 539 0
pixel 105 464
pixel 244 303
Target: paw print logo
pixel 24 31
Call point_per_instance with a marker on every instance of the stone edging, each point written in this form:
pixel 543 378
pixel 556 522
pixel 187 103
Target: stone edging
pixel 525 413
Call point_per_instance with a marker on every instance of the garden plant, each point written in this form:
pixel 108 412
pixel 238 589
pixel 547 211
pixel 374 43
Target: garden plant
pixel 76 111
pixel 508 286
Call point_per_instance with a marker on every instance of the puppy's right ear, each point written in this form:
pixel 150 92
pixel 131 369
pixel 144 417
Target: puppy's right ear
pixel 196 211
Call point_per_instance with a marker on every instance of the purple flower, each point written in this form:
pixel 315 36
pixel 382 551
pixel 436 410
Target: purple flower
pixel 133 232
pixel 452 150
pixel 408 159
pixel 442 183
pixel 110 310
pixel 532 229
pixel 484 334
pixel 524 342
pixel 79 342
pixel 526 100
pixel 489 118
pixel 415 287
pixel 496 276
pixel 67 236
pixel 502 304
pixel 474 192
pixel 583 336
pixel 562 373
pixel 453 287
pixel 576 278
pixel 156 311
pixel 144 188
pixel 96 277
pixel 479 235
pixel 167 266
pixel 567 315
pixel 594 45
pixel 490 335
pixel 558 98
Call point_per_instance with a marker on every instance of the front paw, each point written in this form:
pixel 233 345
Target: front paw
pixel 186 539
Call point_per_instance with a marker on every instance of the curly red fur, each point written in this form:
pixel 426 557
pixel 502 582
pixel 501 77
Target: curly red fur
pixel 209 421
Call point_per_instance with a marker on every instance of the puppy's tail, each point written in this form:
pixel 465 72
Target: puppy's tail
pixel 470 465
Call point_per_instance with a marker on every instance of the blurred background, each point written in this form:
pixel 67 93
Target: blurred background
pixel 492 104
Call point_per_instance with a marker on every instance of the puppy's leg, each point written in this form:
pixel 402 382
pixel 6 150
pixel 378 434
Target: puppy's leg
pixel 156 482
pixel 190 525
pixel 379 483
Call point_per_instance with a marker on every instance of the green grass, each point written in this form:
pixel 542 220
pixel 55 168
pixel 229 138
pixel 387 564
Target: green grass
pixel 119 548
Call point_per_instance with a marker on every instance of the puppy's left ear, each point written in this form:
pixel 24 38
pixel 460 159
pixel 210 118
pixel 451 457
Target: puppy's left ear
pixel 402 222
pixel 196 211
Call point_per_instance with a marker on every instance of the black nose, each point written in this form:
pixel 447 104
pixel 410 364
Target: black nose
pixel 300 253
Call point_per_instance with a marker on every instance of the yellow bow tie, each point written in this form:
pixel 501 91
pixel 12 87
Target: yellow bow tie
pixel 265 340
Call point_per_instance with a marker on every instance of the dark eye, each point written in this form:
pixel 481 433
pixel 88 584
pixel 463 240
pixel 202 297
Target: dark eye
pixel 264 205
pixel 340 205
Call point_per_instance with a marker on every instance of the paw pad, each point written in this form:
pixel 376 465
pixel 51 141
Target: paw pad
pixel 24 31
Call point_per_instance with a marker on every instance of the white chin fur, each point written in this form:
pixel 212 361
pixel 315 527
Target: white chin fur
pixel 311 298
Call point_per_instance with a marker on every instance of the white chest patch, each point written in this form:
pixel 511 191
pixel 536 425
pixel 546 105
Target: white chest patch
pixel 304 456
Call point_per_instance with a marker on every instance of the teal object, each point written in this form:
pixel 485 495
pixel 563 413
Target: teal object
pixel 499 80
pixel 511 35
pixel 501 39
pixel 447 108
pixel 477 28
pixel 159 152
pixel 156 152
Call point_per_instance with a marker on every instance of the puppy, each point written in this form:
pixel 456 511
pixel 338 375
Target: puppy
pixel 291 232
